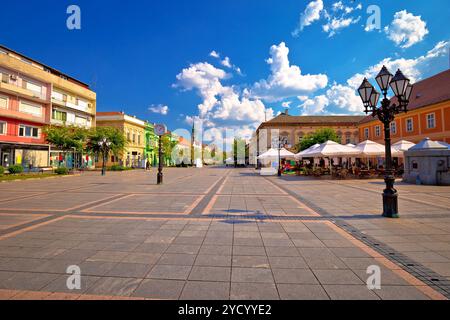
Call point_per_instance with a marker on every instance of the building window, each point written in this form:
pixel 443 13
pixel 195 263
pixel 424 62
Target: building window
pixel 27 107
pixel 4 77
pixel 28 131
pixel 348 140
pixel 2 128
pixel 33 87
pixel 128 136
pixel 377 131
pixel 139 139
pixel 57 96
pixel 80 121
pixel 409 125
pixel 134 137
pixel 59 115
pixel 393 127
pixel 431 121
pixel 366 133
pixel 3 102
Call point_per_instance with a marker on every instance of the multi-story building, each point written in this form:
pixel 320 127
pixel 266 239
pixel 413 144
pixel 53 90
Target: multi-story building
pixel 151 144
pixel 292 129
pixel 29 100
pixel 428 114
pixel 134 130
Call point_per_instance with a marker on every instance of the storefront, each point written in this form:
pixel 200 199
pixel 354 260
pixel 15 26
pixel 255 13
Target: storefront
pixel 26 155
pixel 70 159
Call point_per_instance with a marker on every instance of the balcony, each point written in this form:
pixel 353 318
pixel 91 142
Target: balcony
pixel 69 105
pixel 28 94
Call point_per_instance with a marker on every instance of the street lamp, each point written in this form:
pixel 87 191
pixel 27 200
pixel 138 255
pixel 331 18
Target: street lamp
pixel 386 113
pixel 105 146
pixel 281 144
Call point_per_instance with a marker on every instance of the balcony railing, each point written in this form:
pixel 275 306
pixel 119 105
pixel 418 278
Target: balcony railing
pixel 13 88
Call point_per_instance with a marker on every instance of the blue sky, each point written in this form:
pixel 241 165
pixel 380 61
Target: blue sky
pixel 142 54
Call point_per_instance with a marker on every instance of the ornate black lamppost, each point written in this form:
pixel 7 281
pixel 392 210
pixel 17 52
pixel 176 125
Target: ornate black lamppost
pixel 105 146
pixel 160 130
pixel 280 145
pixel 402 89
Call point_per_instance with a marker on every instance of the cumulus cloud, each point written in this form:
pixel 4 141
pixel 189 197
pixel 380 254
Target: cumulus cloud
pixel 412 68
pixel 214 54
pixel 221 104
pixel 334 25
pixel 226 62
pixel 314 106
pixel 338 16
pixel 406 29
pixel 311 14
pixel 161 109
pixel 286 80
pixel 345 96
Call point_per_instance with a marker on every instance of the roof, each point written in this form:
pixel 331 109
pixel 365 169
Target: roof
pixel 52 70
pixel 426 92
pixel 109 113
pixel 284 118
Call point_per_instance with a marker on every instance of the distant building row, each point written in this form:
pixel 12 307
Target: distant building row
pixel 34 95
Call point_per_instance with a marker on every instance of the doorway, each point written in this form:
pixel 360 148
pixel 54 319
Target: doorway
pixel 5 159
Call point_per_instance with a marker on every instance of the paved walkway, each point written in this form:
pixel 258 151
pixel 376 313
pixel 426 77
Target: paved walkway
pixel 218 233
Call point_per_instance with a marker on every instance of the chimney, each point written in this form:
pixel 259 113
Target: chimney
pixel 286 111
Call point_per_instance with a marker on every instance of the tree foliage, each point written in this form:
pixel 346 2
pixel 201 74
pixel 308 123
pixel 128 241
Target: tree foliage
pixel 66 138
pixel 319 136
pixel 113 135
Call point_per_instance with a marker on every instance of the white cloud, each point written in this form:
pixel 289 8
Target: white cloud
pixel 226 62
pixel 286 104
pixel 311 14
pixel 286 80
pixel 334 25
pixel 406 29
pixel 337 17
pixel 315 105
pixel 161 109
pixel 412 68
pixel 214 54
pixel 221 104
pixel 345 96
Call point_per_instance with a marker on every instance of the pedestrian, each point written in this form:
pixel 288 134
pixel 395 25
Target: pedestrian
pixel 147 165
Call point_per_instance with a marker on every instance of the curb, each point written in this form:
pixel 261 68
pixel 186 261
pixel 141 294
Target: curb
pixel 42 178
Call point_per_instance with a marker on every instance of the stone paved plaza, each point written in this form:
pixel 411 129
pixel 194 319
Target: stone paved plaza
pixel 219 233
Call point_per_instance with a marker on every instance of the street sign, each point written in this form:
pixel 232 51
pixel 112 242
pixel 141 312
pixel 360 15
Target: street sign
pixel 160 129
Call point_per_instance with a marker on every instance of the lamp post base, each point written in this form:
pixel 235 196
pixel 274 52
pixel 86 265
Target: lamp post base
pixel 159 178
pixel 390 204
pixel 279 172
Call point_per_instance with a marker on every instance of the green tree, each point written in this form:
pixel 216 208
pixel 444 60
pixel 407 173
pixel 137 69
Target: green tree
pixel 168 144
pixel 113 135
pixel 319 136
pixel 66 138
pixel 239 144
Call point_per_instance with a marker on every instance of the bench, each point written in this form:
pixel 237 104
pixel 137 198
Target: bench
pixel 45 169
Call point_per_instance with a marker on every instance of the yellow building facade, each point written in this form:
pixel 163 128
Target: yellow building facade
pixel 134 131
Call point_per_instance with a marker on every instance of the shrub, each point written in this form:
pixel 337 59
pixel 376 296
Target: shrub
pixel 15 169
pixel 2 171
pixel 116 167
pixel 62 171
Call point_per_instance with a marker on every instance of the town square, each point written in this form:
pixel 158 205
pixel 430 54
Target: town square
pixel 180 155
